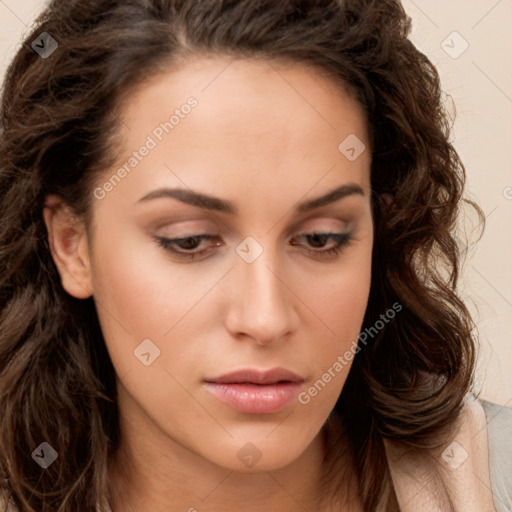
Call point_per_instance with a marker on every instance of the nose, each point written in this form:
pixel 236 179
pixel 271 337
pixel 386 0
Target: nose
pixel 262 307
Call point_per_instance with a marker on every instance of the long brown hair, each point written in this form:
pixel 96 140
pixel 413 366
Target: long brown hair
pixel 58 126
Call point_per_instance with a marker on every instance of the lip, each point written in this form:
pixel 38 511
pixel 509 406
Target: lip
pixel 256 391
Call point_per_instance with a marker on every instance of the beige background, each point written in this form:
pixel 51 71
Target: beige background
pixel 479 80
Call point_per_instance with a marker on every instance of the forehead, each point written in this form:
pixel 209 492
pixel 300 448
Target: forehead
pixel 288 89
pixel 252 124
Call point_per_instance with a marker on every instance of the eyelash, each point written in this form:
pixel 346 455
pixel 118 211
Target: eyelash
pixel 343 240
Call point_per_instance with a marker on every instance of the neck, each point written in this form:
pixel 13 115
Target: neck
pixel 151 472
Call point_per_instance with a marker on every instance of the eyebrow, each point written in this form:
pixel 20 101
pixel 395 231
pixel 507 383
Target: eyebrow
pixel 223 206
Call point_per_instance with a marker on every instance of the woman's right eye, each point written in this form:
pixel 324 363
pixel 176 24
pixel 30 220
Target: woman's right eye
pixel 180 246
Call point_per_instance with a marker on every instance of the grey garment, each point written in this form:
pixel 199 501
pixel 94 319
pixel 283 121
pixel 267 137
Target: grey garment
pixel 499 432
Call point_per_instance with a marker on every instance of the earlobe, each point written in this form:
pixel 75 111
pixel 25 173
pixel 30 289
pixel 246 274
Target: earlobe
pixel 386 203
pixel 387 199
pixel 69 245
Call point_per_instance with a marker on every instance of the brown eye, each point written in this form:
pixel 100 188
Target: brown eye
pixel 316 240
pixel 182 246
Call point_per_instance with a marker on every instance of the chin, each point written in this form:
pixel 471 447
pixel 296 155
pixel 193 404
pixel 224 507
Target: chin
pixel 260 454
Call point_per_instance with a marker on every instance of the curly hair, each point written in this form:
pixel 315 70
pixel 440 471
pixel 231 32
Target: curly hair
pixel 59 119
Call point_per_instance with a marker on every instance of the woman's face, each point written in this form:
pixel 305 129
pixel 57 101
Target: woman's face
pixel 256 284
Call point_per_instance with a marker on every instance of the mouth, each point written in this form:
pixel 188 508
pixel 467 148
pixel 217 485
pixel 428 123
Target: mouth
pixel 254 391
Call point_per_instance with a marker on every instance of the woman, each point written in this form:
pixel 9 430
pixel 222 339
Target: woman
pixel 229 266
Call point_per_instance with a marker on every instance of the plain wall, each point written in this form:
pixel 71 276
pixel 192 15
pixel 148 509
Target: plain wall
pixel 479 80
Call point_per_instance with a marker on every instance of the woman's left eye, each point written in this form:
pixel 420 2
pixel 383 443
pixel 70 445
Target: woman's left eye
pixel 339 241
pixel 187 247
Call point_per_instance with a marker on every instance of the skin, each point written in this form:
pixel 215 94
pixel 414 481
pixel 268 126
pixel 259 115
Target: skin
pixel 264 136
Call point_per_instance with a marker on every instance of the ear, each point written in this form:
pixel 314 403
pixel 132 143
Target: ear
pixel 69 247
pixel 386 203
pixel 387 199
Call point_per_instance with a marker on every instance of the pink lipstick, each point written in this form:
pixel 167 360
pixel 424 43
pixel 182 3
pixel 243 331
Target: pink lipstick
pixel 255 391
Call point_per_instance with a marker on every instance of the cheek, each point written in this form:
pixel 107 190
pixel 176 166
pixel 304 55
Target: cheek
pixel 138 294
pixel 339 295
pixel 341 306
pixel 347 304
pixel 340 300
